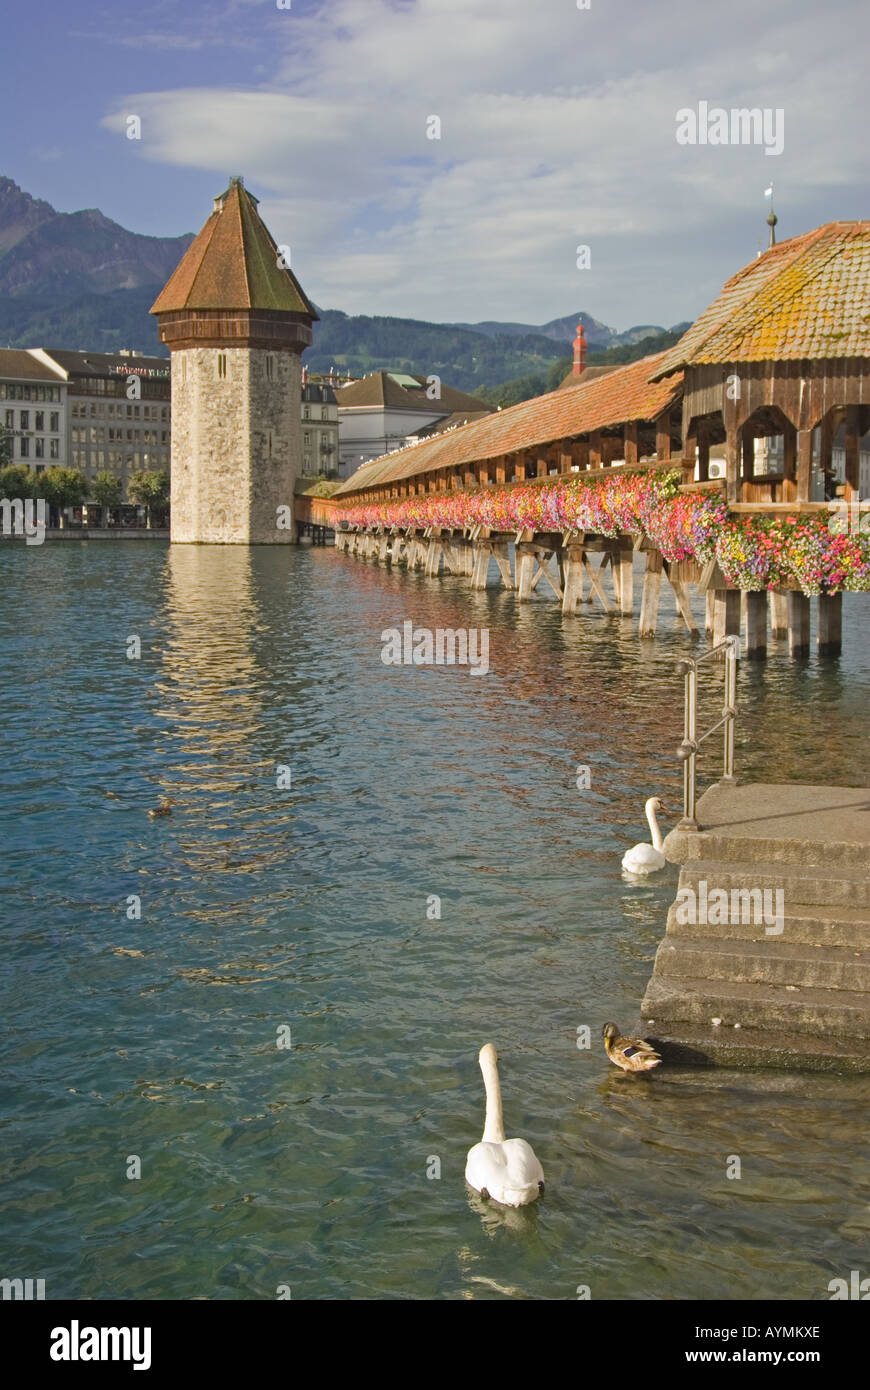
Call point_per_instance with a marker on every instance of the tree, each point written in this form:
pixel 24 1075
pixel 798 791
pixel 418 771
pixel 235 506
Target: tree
pixel 150 490
pixel 13 480
pixel 106 492
pixel 5 449
pixel 62 487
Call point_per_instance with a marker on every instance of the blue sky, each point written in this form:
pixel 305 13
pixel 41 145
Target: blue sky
pixel 557 129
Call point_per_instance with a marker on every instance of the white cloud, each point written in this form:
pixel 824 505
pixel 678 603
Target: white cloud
pixel 557 128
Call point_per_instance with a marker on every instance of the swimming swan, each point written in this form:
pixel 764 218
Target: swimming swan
pixel 504 1169
pixel 647 859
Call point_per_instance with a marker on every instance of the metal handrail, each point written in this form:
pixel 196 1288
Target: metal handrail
pixel 688 749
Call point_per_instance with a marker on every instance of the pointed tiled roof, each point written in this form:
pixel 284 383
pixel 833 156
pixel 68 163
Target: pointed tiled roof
pixel 805 298
pixel 622 395
pixel 233 264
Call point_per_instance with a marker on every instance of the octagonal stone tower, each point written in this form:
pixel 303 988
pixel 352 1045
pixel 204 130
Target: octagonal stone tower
pixel 236 323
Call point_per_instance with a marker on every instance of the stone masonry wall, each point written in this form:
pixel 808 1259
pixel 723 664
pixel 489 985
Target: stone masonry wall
pixel 236 445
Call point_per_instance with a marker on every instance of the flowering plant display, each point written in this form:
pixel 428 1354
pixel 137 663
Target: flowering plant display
pixel 754 552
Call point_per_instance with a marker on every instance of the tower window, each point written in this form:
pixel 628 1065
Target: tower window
pixel 270 372
pixel 222 365
pixel 270 435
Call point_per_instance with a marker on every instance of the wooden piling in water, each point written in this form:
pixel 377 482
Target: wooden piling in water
pixel 726 614
pixel 756 625
pixel 798 625
pixel 829 637
pixel 649 603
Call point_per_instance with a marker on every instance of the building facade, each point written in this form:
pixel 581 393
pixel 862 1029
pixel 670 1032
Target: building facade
pixel 319 428
pixel 33 410
pixel 118 412
pixel 380 412
pixel 236 322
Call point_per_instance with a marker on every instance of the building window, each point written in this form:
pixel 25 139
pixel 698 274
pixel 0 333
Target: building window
pixel 222 365
pixel 307 437
pixel 39 448
pixel 54 421
pixel 54 448
pixel 39 420
pixel 10 419
pixel 306 413
pixel 24 422
pixel 25 448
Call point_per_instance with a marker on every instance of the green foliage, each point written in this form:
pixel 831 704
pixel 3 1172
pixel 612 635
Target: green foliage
pixel 5 449
pixel 632 352
pixel 62 487
pixel 105 490
pixel 17 481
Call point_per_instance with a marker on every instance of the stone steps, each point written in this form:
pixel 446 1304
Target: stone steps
pixel 698 1000
pixel 753 1047
pixel 774 961
pixel 805 884
pixel 796 998
pixel 745 849
pixel 803 924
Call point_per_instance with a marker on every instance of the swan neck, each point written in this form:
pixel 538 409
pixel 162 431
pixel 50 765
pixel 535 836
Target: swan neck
pixel 493 1129
pixel 658 842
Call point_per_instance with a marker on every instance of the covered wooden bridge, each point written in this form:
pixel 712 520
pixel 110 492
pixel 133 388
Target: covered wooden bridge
pixel 782 356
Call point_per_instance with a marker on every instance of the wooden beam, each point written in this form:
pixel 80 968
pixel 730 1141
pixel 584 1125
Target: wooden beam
pixel 726 614
pixel 804 465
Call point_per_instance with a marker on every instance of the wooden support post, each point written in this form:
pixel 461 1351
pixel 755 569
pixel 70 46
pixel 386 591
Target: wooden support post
pixel 500 555
pixel 726 614
pixel 852 447
pixel 778 614
pixel 663 436
pixel 595 580
pixel 626 581
pixel 709 599
pixel 649 603
pixel 798 625
pixel 525 568
pixel 681 596
pixel 480 568
pixel 572 592
pixel 433 558
pixel 630 450
pixel 830 630
pixel 756 624
pixel 595 449
pixel 804 465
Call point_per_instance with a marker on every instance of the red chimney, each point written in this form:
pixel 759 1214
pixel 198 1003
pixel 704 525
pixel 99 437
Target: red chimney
pixel 579 351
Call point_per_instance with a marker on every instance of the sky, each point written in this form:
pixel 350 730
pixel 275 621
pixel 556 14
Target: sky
pixel 558 129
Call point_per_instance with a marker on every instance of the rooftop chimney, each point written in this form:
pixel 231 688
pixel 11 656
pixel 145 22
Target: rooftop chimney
pixel 579 351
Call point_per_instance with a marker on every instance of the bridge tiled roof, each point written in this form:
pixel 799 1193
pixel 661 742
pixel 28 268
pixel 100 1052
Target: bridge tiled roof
pixel 623 395
pixel 808 297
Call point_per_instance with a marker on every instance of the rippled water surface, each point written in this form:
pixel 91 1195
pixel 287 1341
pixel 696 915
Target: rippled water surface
pixel 307 908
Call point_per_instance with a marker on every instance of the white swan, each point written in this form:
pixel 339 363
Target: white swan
pixel 647 859
pixel 504 1169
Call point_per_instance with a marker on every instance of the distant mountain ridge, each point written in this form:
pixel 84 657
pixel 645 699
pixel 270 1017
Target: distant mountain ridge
pixel 79 280
pixel 564 330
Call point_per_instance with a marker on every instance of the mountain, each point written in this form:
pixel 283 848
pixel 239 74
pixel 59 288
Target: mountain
pixel 79 280
pixel 463 357
pixel 61 255
pixel 564 330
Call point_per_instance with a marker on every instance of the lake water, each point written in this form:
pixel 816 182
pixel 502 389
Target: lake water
pixel 306 908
